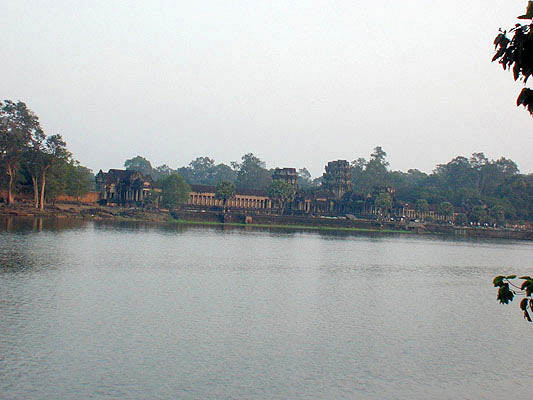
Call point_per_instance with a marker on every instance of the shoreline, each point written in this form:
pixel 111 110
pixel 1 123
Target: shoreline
pixel 240 219
pixel 295 227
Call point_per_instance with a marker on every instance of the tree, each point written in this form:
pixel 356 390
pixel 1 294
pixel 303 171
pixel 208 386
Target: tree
pixel 225 191
pixel 79 180
pixel 461 219
pixel 376 170
pixel 251 173
pixel 304 179
pixel 478 215
pixel 54 152
pixel 161 172
pixel 516 53
pixel 507 290
pixel 282 192
pixel 140 164
pixel 383 202
pixel 446 208
pixel 497 212
pixel 175 191
pixel 223 172
pixel 32 165
pixel 202 170
pixel 19 126
pixel 422 206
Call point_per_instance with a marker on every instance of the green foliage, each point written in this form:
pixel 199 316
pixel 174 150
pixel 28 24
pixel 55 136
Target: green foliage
pixel 304 180
pixel 56 181
pixel 422 205
pixel 478 215
pixel 464 182
pixel 79 180
pixel 384 201
pixel 461 219
pixel 204 171
pixel 373 175
pixel 497 213
pixel 161 172
pixel 140 164
pixel 516 54
pixel 19 129
pixel 507 290
pixel 446 208
pixel 251 173
pixel 282 192
pixel 175 191
pixel 225 191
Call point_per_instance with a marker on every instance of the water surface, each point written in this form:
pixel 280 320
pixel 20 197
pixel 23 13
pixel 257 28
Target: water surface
pixel 135 311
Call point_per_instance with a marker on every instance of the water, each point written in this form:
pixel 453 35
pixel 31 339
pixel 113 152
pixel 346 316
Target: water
pixel 137 311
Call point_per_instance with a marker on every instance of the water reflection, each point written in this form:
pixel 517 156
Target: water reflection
pixel 100 309
pixel 36 224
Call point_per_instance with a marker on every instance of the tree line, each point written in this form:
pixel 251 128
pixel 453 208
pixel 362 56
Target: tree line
pixel 482 190
pixel 29 158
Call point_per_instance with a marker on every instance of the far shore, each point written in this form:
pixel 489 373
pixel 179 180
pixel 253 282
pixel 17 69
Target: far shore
pixel 238 219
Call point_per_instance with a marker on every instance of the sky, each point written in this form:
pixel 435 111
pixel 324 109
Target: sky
pixel 297 83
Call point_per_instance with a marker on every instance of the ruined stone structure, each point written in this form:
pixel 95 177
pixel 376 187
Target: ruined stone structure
pixel 123 187
pixel 204 196
pixel 288 175
pixel 337 178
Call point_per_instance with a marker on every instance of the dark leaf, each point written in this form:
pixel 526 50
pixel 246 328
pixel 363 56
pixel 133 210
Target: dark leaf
pixel 504 294
pixel 498 281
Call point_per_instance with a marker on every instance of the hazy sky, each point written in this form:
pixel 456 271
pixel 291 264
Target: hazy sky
pixel 297 83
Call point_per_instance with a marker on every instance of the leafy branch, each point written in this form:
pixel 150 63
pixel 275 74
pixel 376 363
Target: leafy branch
pixel 508 290
pixel 516 53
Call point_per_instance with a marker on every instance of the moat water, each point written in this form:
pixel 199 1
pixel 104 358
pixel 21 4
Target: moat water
pixel 135 311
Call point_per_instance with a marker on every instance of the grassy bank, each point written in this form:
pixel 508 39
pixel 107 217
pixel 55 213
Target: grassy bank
pixel 91 212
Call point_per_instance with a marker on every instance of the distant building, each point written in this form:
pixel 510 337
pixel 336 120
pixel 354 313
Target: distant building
pixel 288 175
pixel 203 196
pixel 123 187
pixel 338 178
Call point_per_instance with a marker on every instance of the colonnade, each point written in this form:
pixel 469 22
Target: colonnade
pixel 239 201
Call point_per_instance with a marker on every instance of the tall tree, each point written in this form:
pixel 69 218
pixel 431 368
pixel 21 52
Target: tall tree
pixel 54 152
pixel 446 209
pixel 383 202
pixel 175 191
pixel 19 126
pixel 252 173
pixel 32 165
pixel 223 172
pixel 373 175
pixel 161 172
pixel 79 180
pixel 421 205
pixel 304 179
pixel 282 192
pixel 225 191
pixel 140 164
pixel 202 169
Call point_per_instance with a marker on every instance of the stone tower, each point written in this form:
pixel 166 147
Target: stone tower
pixel 337 178
pixel 288 175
